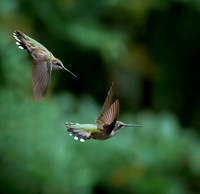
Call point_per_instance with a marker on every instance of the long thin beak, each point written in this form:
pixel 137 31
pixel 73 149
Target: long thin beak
pixel 69 71
pixel 133 125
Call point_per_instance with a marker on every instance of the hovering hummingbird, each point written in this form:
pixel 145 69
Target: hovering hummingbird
pixel 43 63
pixel 106 124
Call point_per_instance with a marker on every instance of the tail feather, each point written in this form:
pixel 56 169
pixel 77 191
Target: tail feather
pixel 21 40
pixel 78 133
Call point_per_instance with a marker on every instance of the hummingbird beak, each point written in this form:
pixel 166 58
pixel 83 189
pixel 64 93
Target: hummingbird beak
pixel 132 125
pixel 69 71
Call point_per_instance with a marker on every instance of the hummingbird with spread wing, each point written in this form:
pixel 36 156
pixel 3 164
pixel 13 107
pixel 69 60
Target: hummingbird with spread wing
pixel 106 124
pixel 43 63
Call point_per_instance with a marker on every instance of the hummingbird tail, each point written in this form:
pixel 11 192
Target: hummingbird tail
pixel 21 40
pixel 78 133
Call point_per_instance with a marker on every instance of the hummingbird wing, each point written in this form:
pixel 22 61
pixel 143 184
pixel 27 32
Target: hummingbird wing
pixel 108 101
pixel 41 76
pixel 108 119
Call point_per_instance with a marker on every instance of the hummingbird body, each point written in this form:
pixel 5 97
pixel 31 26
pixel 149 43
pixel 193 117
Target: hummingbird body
pixel 106 124
pixel 87 131
pixel 43 63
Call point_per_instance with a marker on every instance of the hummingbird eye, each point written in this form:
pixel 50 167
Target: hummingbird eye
pixel 56 65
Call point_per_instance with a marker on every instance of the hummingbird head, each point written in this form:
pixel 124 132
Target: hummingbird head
pixel 120 125
pixel 57 65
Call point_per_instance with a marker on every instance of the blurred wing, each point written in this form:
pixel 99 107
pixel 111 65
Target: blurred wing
pixel 41 76
pixel 109 118
pixel 107 102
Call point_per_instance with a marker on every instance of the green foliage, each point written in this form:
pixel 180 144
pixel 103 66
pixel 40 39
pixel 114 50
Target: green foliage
pixel 150 49
pixel 37 153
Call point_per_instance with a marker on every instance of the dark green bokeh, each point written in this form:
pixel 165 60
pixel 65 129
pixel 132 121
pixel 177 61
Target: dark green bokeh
pixel 150 49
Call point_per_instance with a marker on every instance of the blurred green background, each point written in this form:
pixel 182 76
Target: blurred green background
pixel 150 49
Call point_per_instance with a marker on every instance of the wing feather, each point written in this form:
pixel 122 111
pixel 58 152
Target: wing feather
pixel 108 101
pixel 106 104
pixel 41 76
pixel 109 118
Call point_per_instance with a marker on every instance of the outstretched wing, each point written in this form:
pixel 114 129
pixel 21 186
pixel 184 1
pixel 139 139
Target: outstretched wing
pixel 107 120
pixel 41 76
pixel 107 102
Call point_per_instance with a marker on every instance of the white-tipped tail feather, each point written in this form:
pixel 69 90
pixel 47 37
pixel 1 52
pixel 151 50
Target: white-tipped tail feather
pixel 16 37
pixel 21 47
pixel 78 132
pixel 82 140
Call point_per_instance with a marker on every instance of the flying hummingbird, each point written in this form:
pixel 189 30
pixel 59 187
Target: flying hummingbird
pixel 43 63
pixel 106 124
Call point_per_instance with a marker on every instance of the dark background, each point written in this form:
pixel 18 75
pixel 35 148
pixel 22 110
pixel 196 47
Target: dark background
pixel 150 49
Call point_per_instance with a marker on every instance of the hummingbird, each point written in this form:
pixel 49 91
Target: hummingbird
pixel 106 124
pixel 43 63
